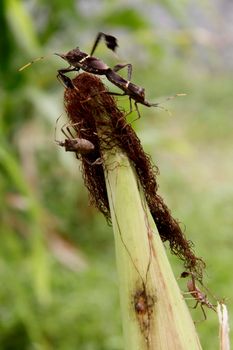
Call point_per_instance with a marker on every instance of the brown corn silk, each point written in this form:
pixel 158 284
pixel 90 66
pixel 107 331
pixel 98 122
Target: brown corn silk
pixel 90 107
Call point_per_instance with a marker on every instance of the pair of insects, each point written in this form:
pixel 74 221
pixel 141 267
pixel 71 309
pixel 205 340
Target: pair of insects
pixel 78 59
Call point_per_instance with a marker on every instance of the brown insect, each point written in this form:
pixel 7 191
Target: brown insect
pixel 77 145
pixel 74 144
pixel 197 294
pixel 78 59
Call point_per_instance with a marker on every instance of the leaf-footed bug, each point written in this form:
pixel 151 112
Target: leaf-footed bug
pixel 78 59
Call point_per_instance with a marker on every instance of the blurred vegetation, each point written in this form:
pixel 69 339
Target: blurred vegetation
pixel 57 270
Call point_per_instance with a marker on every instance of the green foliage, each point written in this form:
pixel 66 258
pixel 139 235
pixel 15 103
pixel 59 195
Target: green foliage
pixel 55 300
pixel 125 17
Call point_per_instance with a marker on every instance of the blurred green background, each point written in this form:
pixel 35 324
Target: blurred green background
pixel 57 269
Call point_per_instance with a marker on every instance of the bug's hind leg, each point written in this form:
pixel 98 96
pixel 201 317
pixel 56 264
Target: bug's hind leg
pixel 129 66
pixel 110 41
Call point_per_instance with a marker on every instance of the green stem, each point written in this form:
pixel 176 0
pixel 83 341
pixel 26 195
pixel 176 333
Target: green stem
pixel 154 313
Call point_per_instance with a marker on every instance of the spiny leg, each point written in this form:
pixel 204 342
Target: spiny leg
pixel 130 101
pixel 129 66
pixel 98 161
pixel 131 110
pixel 195 306
pixel 119 94
pixel 55 130
pixel 105 92
pixel 116 94
pixel 64 80
pixel 99 35
pixel 74 128
pixel 203 312
pixel 129 75
pixel 137 109
pixel 66 131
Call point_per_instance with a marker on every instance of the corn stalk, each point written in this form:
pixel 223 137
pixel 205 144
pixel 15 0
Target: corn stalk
pixel 154 313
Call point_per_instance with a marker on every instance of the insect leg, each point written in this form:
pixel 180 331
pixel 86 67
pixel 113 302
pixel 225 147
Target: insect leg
pixel 136 106
pixel 67 132
pixel 66 81
pixel 114 93
pixel 118 67
pixel 55 130
pixel 203 312
pixel 195 306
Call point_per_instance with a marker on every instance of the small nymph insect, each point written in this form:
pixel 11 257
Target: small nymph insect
pixel 73 144
pixel 79 146
pixel 197 294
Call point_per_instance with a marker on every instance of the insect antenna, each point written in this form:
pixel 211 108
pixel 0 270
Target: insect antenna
pixel 31 62
pixel 158 104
